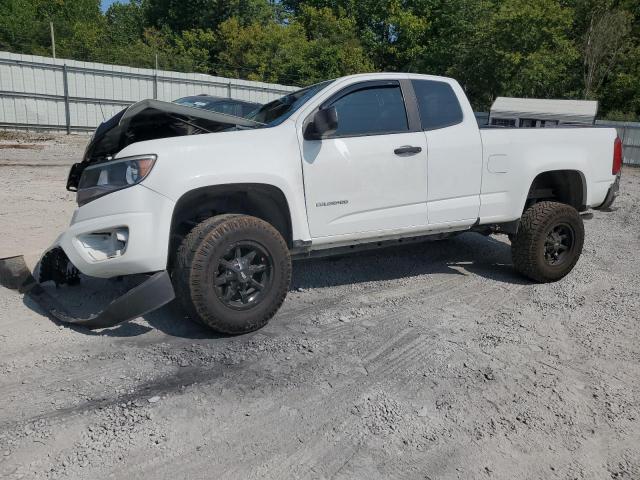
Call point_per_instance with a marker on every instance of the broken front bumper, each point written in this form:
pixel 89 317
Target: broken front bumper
pixel 123 233
pixel 150 295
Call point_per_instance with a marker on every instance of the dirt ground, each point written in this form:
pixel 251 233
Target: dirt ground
pixel 424 362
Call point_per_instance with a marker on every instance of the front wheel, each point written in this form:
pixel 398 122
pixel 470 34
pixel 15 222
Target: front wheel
pixel 549 241
pixel 232 273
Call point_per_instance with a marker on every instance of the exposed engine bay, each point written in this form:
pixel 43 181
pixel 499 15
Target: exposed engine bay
pixel 145 120
pixel 150 120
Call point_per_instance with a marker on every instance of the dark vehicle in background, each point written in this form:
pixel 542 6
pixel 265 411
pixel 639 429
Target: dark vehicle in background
pixel 228 106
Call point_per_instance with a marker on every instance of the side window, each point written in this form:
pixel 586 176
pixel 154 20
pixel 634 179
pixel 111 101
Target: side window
pixel 371 111
pixel 225 107
pixel 438 104
pixel 527 123
pixel 503 122
pixel 247 109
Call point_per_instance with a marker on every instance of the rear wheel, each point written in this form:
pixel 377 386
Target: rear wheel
pixel 232 273
pixel 549 241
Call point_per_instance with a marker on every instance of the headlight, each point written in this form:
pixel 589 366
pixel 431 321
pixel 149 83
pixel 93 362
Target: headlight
pixel 103 178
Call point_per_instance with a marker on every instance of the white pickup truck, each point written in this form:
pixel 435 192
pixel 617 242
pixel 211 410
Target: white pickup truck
pixel 216 207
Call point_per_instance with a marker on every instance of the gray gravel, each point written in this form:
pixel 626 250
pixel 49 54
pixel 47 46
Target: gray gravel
pixel 430 361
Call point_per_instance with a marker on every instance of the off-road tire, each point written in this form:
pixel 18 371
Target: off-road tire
pixel 528 247
pixel 197 261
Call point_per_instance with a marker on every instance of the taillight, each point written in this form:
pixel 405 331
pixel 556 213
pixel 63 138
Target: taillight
pixel 617 156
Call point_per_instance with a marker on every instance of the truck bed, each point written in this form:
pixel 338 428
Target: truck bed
pixel 513 157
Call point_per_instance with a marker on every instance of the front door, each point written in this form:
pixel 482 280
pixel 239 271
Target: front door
pixel 371 175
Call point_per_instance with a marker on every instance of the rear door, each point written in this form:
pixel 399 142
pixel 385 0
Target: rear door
pixel 371 175
pixel 454 151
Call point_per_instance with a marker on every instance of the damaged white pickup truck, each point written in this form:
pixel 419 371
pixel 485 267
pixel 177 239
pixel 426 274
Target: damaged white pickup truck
pixel 214 207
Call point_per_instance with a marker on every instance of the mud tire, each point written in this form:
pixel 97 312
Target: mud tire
pixel 528 247
pixel 198 259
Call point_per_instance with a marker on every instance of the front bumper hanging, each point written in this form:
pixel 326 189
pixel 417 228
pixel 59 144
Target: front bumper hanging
pixel 150 295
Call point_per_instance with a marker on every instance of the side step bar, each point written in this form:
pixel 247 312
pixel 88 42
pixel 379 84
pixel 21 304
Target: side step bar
pixel 150 295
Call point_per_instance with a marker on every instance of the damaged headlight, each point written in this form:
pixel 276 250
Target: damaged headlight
pixel 103 178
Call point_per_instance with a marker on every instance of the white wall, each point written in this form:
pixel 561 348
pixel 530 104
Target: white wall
pixel 32 93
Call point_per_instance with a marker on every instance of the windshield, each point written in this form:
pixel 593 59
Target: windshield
pixel 198 102
pixel 276 112
pixel 220 105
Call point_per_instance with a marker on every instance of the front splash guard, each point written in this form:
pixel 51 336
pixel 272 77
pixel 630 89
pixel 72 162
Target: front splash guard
pixel 150 295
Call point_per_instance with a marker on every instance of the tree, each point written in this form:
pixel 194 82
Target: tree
pixel 314 46
pixel 125 22
pixel 269 53
pixel 390 31
pixel 24 24
pixel 333 48
pixel 180 15
pixel 620 93
pixel 520 49
pixel 452 27
pixel 546 48
pixel 196 47
pixel 605 41
pixel 614 79
pixel 18 30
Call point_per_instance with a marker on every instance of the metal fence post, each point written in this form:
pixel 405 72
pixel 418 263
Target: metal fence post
pixel 155 79
pixel 51 100
pixel 67 111
pixel 155 86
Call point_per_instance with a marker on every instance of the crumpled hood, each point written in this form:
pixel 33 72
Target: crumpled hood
pixel 150 120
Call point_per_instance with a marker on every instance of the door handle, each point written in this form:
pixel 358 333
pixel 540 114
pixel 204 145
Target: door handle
pixel 407 150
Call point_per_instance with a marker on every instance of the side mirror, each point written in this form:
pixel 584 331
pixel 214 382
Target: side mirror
pixel 325 122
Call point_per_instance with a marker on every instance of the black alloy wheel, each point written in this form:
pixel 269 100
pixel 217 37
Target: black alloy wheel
pixel 243 275
pixel 559 244
pixel 549 241
pixel 232 273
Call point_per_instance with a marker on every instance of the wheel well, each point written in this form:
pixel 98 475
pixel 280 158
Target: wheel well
pixel 263 201
pixel 564 186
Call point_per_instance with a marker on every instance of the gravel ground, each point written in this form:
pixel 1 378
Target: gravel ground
pixel 424 362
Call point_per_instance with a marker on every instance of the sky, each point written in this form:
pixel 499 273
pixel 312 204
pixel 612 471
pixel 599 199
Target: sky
pixel 107 3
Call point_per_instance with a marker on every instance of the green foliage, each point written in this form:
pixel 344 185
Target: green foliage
pixel 314 46
pixel 622 91
pixel 180 15
pixel 521 49
pixel 24 24
pixel 125 23
pixel 331 45
pixel 17 18
pixel 618 116
pixel 546 48
pixel 270 53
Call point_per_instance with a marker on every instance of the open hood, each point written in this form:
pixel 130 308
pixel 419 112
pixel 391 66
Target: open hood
pixel 150 120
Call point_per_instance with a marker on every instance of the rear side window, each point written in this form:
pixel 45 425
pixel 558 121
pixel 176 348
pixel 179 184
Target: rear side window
pixel 247 109
pixel 438 104
pixel 228 108
pixel 503 122
pixel 371 111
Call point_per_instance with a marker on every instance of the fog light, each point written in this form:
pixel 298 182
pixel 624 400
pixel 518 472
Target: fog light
pixel 105 244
